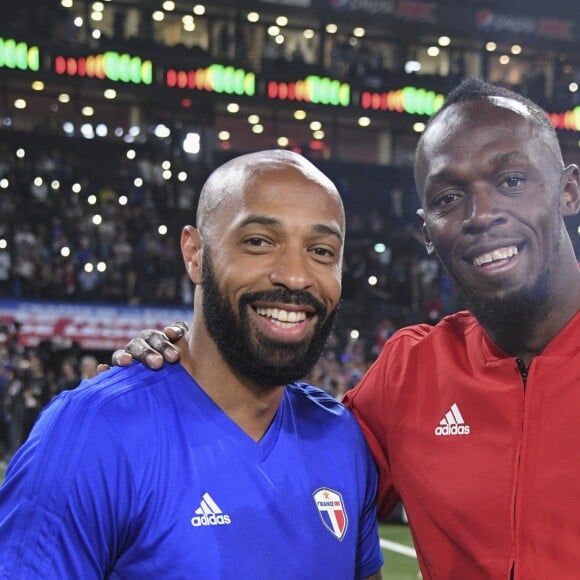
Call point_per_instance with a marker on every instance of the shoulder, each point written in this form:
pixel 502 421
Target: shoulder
pixel 451 328
pixel 314 397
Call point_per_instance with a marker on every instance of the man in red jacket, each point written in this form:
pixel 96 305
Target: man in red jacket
pixel 473 423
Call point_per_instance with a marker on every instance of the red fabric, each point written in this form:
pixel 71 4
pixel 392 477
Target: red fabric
pixel 508 491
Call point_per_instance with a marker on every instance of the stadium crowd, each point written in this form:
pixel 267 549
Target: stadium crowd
pixel 79 224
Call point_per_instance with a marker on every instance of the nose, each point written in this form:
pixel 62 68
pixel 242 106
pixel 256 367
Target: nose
pixel 292 269
pixel 483 209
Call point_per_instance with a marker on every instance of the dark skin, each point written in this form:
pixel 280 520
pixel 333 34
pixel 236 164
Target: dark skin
pixel 491 181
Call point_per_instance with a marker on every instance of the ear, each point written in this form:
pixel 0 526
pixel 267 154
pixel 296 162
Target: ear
pixel 571 190
pixel 191 249
pixel 423 227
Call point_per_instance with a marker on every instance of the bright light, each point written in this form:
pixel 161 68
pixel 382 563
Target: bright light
pixel 253 17
pixel 158 16
pixel 224 135
pixel 55 184
pixel 504 59
pixel 68 128
pixel 412 66
pixel 162 230
pixel 182 176
pixel 162 131
pixel 279 39
pixel 318 135
pixel 364 121
pixel 299 115
pixel 166 164
pixel 37 86
pixel 490 46
pixel 199 9
pixel 88 267
pixel 110 94
pixel 444 41
pixel 78 22
pixel 232 107
pixel 359 32
pixel 372 280
pixel 257 128
pixel 354 334
pixel 281 21
pixel 282 141
pixel 92 199
pixel 167 175
pixel 253 119
pixel 418 127
pixel 308 33
pixel 516 49
pixel 87 131
pixel 573 87
pixel 65 251
pixel 20 104
pixel 138 182
pixel 38 181
pixel 331 28
pixel 20 153
pixel 101 266
pixel 168 5
pixel 97 219
pixel 380 248
pixel 315 125
pixel 76 188
pixel 192 143
pixel 273 30
pixel 102 130
pixel 87 111
pixel 98 6
pixel 3 244
pixel 97 16
pixel 433 51
pixel 123 200
pixel 63 98
pixel 131 154
pixel 4 183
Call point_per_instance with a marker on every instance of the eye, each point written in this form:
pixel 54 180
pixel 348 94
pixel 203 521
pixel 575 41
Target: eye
pixel 324 254
pixel 445 199
pixel 256 242
pixel 512 182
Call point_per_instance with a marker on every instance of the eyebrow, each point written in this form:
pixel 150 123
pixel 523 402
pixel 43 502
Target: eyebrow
pixel 496 162
pixel 269 221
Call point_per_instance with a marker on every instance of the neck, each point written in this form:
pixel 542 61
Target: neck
pixel 250 406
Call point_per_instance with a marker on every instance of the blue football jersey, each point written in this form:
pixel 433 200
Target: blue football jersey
pixel 139 474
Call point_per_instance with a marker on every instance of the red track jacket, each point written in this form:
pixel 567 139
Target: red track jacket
pixel 486 462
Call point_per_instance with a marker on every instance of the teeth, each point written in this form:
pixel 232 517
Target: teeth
pixel 286 317
pixel 499 254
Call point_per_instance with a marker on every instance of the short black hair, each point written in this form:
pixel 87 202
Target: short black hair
pixel 475 89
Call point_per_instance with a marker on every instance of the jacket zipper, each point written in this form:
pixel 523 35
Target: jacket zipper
pixel 524 374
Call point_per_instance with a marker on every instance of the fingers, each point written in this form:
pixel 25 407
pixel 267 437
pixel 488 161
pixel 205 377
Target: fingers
pixel 102 367
pixel 176 330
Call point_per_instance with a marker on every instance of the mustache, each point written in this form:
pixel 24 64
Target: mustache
pixel 285 296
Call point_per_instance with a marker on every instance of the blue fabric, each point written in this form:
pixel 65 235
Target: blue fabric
pixel 138 474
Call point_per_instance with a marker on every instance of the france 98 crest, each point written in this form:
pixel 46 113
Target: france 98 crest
pixel 332 511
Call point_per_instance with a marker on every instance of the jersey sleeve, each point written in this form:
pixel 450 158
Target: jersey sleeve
pixel 65 500
pixel 368 402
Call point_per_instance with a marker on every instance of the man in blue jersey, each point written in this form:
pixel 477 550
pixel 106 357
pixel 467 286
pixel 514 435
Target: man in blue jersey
pixel 221 466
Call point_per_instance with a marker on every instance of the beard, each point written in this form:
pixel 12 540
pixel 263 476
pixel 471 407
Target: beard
pixel 515 314
pixel 245 349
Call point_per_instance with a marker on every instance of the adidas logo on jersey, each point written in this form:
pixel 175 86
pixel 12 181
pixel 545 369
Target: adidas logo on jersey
pixel 209 514
pixel 452 423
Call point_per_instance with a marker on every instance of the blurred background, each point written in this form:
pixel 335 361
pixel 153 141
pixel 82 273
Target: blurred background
pixel 113 113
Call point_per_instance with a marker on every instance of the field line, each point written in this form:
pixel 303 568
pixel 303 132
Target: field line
pixel 399 548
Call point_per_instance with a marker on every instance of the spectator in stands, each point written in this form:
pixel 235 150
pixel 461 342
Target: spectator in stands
pixel 109 481
pixel 473 422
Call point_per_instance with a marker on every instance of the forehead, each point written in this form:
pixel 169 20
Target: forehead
pixel 472 132
pixel 285 194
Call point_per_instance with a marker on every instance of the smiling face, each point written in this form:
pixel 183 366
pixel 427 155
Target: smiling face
pixel 493 191
pixel 269 279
